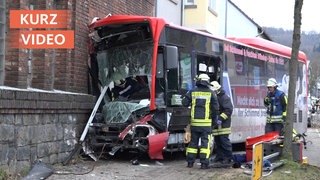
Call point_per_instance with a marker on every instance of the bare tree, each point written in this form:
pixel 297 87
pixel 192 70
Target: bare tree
pixel 293 67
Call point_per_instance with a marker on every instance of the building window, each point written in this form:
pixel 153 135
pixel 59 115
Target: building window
pixel 2 39
pixel 213 5
pixel 190 2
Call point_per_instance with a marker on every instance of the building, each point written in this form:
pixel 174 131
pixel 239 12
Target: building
pixel 222 18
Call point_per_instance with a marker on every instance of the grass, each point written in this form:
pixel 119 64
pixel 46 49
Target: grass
pixel 3 175
pixel 292 170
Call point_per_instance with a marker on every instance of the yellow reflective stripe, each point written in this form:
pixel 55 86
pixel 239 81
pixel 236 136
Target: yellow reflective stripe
pixel 294 131
pixel 221 131
pixel 192 107
pixel 208 107
pixel 201 95
pixel 274 119
pixel 285 110
pixel 224 116
pixel 206 150
pixel 192 150
pixel 286 99
pixel 201 120
pixel 112 96
pixel 200 124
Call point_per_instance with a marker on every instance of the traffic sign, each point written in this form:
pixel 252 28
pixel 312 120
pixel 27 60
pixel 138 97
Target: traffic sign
pixel 257 161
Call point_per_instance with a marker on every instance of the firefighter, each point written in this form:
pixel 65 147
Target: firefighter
pixel 222 128
pixel 317 104
pixel 124 88
pixel 204 106
pixel 276 103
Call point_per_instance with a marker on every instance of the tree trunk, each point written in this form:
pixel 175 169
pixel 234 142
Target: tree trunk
pixel 293 67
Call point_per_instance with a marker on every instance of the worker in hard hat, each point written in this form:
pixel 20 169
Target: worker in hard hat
pixel 276 102
pixel 204 109
pixel 222 128
pixel 124 88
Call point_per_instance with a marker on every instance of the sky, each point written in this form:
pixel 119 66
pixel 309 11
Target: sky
pixel 279 13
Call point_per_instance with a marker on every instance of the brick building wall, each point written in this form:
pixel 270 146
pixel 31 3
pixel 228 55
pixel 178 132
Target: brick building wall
pixel 62 69
pixel 37 121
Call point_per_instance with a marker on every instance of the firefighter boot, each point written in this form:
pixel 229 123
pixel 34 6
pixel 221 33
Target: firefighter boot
pixel 204 166
pixel 190 165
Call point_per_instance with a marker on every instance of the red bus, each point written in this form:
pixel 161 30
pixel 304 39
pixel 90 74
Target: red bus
pixel 147 64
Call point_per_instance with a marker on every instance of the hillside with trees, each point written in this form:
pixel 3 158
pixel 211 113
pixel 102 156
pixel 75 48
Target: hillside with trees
pixel 310 45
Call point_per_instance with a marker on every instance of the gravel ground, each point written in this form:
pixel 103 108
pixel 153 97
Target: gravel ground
pixel 172 168
pixel 123 169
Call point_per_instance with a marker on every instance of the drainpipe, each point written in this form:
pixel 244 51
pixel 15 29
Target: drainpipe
pixel 182 13
pixel 29 75
pixel 156 8
pixel 226 19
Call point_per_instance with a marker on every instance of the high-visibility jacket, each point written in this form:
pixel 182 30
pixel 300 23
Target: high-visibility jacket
pixel 225 111
pixel 276 104
pixel 204 105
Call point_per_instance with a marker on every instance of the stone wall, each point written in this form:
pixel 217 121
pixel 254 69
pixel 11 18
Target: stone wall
pixel 40 125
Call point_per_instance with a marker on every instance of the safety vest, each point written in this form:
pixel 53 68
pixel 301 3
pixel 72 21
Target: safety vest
pixel 200 109
pixel 275 111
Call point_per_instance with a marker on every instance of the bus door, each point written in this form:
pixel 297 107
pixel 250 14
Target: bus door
pixel 167 77
pixel 177 115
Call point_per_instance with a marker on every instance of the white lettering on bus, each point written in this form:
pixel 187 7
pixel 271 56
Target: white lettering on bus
pixel 233 49
pixel 262 57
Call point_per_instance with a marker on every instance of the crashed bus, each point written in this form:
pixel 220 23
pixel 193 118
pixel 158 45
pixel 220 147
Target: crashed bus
pixel 142 66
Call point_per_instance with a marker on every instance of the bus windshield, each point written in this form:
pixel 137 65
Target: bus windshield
pixel 124 57
pixel 118 63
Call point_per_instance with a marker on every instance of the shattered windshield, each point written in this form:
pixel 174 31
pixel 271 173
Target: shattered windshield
pixel 127 72
pixel 119 63
pixel 120 112
pixel 124 56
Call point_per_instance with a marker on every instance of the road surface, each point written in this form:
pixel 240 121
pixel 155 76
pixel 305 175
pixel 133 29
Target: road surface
pixel 170 169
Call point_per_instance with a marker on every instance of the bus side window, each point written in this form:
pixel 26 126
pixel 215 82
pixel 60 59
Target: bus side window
pixel 172 75
pixel 209 65
pixel 160 81
pixel 171 62
pixel 171 55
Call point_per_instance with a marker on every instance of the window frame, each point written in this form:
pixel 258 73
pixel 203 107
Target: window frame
pixel 212 5
pixel 190 2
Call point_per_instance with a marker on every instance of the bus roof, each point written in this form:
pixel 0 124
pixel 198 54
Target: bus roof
pixel 254 42
pixel 123 18
pixel 154 21
pixel 269 46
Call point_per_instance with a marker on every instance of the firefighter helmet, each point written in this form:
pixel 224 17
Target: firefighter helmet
pixel 204 77
pixel 215 86
pixel 119 82
pixel 272 82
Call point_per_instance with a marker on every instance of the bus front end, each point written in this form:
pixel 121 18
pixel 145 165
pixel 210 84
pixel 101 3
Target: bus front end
pixel 122 58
